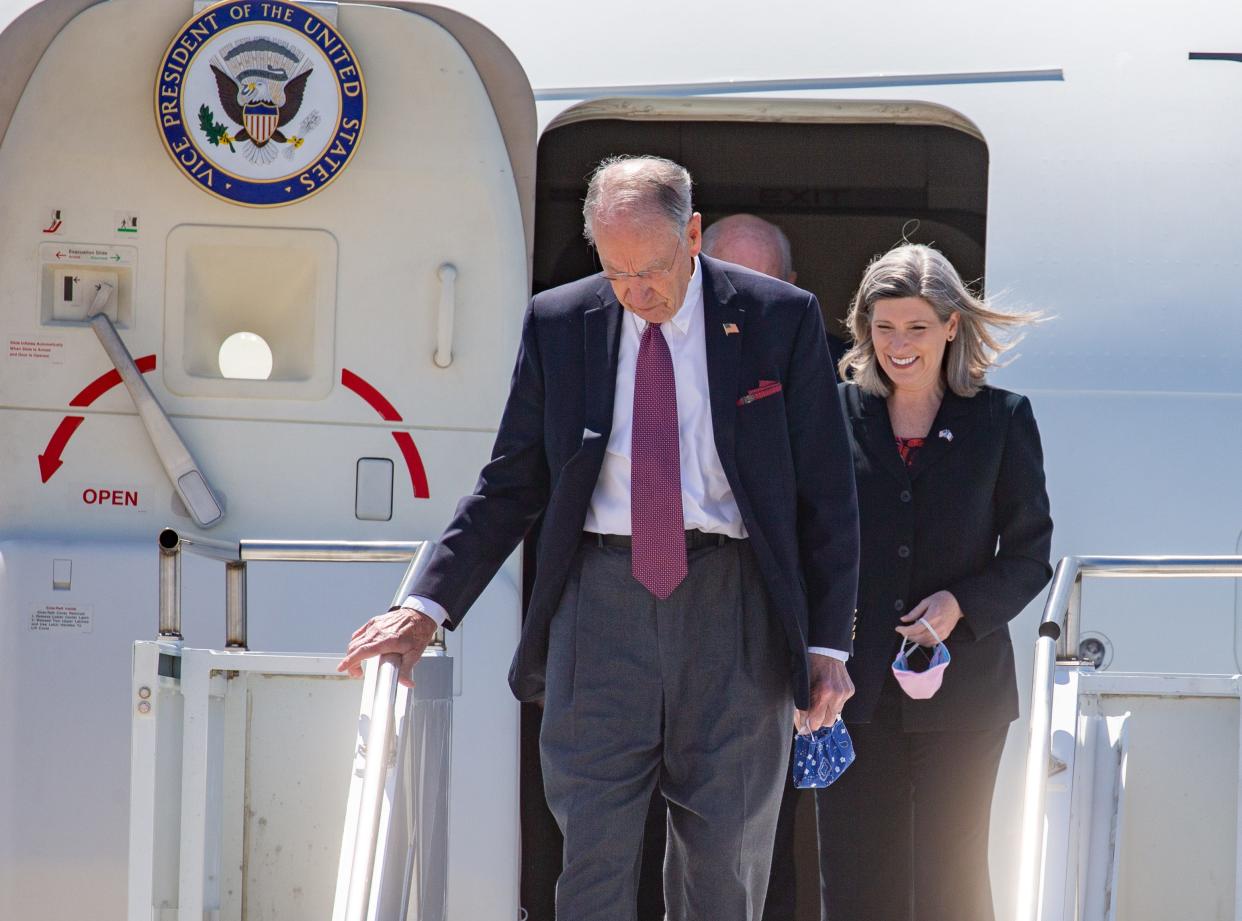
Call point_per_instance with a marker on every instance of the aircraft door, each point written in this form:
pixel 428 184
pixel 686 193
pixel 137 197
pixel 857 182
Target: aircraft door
pixel 309 229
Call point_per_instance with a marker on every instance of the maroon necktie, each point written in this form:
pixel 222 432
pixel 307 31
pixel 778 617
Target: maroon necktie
pixel 658 554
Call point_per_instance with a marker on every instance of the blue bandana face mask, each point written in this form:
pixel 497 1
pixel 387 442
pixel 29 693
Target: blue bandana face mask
pixel 820 757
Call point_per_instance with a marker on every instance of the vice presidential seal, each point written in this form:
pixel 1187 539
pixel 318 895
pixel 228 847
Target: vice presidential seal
pixel 259 103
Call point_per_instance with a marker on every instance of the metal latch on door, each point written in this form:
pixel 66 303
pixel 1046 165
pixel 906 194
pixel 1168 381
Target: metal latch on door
pixel 178 463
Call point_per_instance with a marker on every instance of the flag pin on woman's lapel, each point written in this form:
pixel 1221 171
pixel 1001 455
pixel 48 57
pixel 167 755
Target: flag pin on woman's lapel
pixel 730 329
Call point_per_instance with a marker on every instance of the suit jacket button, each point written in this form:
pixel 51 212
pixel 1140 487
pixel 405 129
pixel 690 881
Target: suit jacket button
pixel 905 495
pixel 903 551
pixel 899 605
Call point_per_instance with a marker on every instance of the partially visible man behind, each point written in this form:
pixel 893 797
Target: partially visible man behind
pixel 676 422
pixel 750 241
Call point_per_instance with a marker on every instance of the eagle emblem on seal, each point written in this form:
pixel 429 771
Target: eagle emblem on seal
pixel 260 104
pixel 260 83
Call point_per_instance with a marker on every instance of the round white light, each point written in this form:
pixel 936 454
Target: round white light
pixel 246 356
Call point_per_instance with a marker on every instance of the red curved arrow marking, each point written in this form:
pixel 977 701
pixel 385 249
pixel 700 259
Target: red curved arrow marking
pixel 418 475
pixel 387 411
pixel 105 382
pixel 49 460
pixel 405 441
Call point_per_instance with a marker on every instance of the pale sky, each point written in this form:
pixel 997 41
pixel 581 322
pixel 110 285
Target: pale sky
pixel 10 8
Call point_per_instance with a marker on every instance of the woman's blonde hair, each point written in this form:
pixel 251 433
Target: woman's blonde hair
pixel 915 270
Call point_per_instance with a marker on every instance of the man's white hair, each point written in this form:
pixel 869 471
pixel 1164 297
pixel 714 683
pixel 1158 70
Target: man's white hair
pixel 643 186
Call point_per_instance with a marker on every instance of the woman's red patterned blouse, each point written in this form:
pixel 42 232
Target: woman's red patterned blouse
pixel 908 447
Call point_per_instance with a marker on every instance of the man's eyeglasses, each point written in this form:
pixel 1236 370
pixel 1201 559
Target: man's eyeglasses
pixel 648 274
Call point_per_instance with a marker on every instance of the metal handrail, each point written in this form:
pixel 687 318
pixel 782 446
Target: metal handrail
pixel 236 554
pixel 1059 631
pixel 382 673
pixel 381 714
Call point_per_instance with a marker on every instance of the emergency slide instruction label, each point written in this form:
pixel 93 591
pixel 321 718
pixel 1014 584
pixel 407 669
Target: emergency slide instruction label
pixel 88 253
pixel 38 348
pixel 62 618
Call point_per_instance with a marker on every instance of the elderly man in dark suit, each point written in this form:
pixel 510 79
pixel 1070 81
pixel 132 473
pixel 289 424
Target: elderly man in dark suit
pixel 753 243
pixel 674 420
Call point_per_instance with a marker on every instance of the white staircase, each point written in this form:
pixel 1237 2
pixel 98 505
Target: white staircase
pixel 1133 779
pixel 268 786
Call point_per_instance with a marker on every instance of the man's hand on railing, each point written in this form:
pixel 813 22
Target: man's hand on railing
pixel 402 631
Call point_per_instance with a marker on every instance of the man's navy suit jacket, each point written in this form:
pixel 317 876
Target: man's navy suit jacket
pixel 786 456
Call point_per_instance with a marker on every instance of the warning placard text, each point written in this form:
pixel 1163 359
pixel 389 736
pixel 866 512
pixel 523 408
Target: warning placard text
pixel 62 618
pixel 38 349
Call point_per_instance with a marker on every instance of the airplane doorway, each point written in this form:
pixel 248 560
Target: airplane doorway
pixel 845 181
pixel 842 192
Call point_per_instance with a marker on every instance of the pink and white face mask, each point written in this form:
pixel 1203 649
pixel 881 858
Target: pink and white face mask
pixel 921 685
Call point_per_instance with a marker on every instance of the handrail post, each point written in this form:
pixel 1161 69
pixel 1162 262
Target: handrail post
pixel 378 751
pixel 235 605
pixel 1066 583
pixel 1067 645
pixel 170 584
pixel 1038 753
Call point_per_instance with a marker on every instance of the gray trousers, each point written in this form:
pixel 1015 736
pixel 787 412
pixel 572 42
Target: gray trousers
pixel 691 695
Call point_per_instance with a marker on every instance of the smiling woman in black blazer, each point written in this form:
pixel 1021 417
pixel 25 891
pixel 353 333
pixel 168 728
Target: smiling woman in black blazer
pixel 956 537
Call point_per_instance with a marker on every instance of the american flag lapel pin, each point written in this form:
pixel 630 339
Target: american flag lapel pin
pixel 730 329
pixel 946 434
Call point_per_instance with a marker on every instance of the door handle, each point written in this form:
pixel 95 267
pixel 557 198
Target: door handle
pixel 182 470
pixel 447 315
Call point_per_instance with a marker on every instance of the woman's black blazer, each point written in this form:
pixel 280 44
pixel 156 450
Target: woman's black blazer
pixel 970 516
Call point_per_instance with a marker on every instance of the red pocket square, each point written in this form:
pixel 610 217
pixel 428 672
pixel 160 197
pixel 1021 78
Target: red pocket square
pixel 765 389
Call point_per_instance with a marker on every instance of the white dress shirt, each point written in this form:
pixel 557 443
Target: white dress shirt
pixel 706 498
pixel 707 502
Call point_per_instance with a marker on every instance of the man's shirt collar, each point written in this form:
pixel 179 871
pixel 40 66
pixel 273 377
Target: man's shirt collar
pixel 692 303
